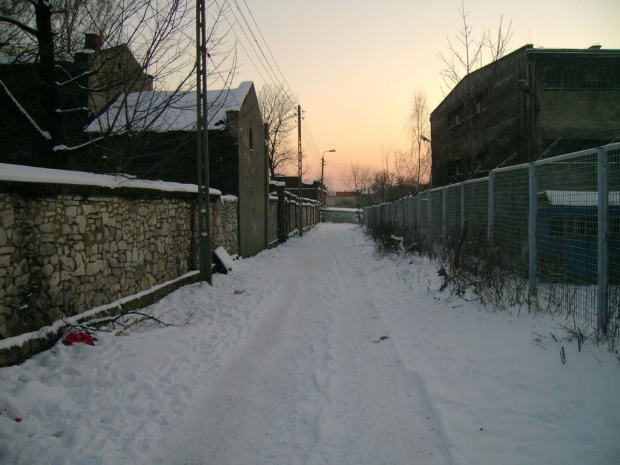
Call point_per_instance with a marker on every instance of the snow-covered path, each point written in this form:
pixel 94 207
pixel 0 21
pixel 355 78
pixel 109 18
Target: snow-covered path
pixel 318 352
pixel 314 383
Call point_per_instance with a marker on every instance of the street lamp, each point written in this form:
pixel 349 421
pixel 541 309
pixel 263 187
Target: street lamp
pixel 425 139
pixel 323 171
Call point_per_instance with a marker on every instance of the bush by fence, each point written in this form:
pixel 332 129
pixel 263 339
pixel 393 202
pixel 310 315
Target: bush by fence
pixel 554 222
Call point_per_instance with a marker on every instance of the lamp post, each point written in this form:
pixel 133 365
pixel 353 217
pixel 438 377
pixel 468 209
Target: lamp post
pixel 323 171
pixel 430 180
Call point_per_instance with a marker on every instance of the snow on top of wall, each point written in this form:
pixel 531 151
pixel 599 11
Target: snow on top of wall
pixel 343 209
pixel 86 315
pixel 162 111
pixel 580 198
pixel 45 175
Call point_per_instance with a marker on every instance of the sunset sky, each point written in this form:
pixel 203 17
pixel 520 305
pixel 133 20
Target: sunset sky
pixel 355 65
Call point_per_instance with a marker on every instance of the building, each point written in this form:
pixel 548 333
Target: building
pixel 154 137
pixel 567 225
pixel 312 191
pixel 532 103
pixel 85 83
pixel 342 199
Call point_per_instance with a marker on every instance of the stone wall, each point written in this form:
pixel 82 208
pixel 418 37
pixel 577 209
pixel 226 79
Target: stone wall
pixel 67 249
pixel 272 238
pixel 225 224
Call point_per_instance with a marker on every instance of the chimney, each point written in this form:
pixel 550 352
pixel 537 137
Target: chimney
pixel 92 42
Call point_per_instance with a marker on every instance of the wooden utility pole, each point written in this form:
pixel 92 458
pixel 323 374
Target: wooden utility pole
pixel 300 203
pixel 204 223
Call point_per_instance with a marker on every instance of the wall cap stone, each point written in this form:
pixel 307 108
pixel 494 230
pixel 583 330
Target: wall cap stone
pixel 44 189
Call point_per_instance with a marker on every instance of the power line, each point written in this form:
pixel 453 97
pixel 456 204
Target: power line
pixel 255 40
pixel 268 49
pixel 258 51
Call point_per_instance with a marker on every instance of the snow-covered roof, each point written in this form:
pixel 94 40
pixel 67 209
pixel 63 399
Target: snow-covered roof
pixel 163 111
pixel 579 198
pixel 19 173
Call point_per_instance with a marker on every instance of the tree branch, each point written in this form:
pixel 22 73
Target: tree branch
pixel 19 24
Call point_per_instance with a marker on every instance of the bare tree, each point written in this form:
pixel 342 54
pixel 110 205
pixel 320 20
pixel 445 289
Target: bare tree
pixel 358 179
pixel 460 60
pixel 419 127
pixel 144 45
pixel 464 57
pixel 278 108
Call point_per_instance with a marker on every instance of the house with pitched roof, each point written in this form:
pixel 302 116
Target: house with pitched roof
pixel 152 135
pixel 86 83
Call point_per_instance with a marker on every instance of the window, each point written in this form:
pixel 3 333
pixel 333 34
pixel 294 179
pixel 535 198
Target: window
pixel 480 101
pixel 581 77
pixel 482 162
pixel 593 76
pixel 251 141
pixel 455 117
pixel 572 77
pixel 553 76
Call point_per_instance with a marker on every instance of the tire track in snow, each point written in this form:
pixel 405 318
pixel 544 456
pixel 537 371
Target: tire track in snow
pixel 310 385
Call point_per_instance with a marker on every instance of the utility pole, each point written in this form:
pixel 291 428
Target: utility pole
pixel 204 223
pixel 323 172
pixel 300 204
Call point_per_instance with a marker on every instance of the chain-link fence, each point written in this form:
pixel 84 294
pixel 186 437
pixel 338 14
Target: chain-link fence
pixel 554 222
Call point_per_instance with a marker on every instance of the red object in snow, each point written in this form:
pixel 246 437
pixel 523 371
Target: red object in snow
pixel 18 420
pixel 80 338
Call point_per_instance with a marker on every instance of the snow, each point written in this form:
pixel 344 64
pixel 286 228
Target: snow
pixel 224 258
pixel 318 352
pixel 343 209
pixel 20 173
pixel 80 318
pixel 579 198
pixel 162 111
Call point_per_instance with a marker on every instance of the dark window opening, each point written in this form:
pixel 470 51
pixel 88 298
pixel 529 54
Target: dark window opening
pixel 581 77
pixel 455 117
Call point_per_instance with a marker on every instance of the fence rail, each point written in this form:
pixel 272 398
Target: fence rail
pixel 555 222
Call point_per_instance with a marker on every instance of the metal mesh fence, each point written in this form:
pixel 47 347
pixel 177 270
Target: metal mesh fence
pixel 566 240
pixel 453 213
pixel 423 215
pixel 511 216
pixel 613 228
pixel 575 267
pixel 436 205
pixel 477 209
